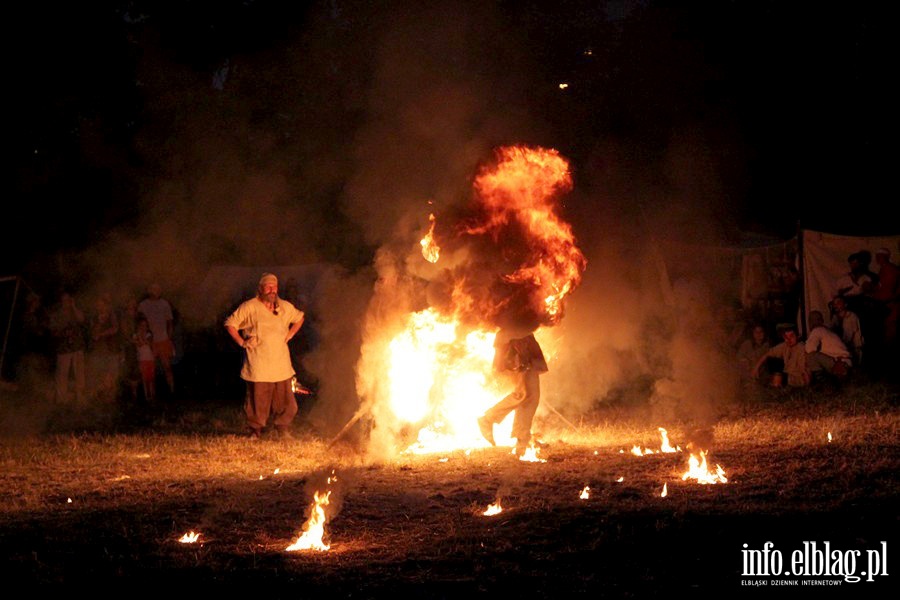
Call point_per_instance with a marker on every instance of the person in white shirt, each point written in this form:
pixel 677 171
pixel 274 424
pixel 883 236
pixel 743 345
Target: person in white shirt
pixel 846 323
pixel 825 350
pixel 263 326
pixel 161 319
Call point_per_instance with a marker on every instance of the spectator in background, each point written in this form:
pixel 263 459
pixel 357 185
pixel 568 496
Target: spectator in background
pixel 856 281
pixel 67 326
pixel 160 317
pixel 142 349
pixel 846 323
pixel 130 373
pixel 791 354
pixel 887 294
pixel 749 353
pixel 35 344
pixel 825 351
pixel 104 352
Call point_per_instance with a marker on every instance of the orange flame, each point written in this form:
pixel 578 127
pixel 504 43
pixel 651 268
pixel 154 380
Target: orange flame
pixel 493 509
pixel 429 371
pixel 314 528
pixel 522 191
pixel 531 455
pixel 585 493
pixel 430 250
pixel 665 446
pixel 699 470
pixel 189 538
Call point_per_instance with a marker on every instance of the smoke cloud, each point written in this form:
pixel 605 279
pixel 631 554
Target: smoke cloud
pixel 334 145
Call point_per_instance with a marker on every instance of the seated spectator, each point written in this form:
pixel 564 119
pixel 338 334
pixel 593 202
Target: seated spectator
pixel 825 351
pixel 846 323
pixel 791 352
pixel 750 351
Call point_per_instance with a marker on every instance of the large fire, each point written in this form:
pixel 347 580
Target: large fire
pixel 429 371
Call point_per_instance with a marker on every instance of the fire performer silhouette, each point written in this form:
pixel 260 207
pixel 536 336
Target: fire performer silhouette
pixel 517 353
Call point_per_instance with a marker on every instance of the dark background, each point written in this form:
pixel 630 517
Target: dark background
pixel 790 103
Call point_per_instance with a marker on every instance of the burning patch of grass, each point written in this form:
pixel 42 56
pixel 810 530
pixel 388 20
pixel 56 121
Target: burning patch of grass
pixel 87 507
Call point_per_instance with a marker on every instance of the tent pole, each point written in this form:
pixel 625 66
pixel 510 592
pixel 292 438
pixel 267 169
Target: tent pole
pixel 12 310
pixel 803 286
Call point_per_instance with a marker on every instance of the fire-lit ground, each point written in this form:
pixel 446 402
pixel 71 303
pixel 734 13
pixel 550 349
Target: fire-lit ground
pixel 107 510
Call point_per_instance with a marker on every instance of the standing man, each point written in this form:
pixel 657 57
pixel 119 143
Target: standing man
pixel 263 326
pixel 887 293
pixel 518 354
pixel 67 326
pixel 159 315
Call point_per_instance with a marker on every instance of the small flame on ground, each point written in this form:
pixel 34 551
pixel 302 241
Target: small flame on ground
pixel 314 528
pixel 493 509
pixel 699 470
pixel 665 491
pixel 620 480
pixel 189 538
pixel 585 493
pixel 829 437
pixel 531 455
pixel 665 446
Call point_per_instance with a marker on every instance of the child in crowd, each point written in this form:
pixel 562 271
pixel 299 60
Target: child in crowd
pixel 143 340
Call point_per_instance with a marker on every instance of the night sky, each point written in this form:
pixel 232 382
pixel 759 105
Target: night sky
pixel 274 132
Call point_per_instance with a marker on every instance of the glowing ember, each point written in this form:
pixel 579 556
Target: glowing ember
pixel 493 509
pixel 299 388
pixel 665 491
pixel 698 469
pixel 189 538
pixel 585 493
pixel 430 249
pixel 829 437
pixel 620 480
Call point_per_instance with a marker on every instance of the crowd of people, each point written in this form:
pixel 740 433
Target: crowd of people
pixel 79 351
pixel 858 338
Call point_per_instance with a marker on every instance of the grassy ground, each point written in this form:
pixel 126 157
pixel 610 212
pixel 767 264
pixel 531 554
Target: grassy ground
pixel 105 507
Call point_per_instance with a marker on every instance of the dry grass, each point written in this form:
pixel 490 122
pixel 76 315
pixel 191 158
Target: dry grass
pixel 101 508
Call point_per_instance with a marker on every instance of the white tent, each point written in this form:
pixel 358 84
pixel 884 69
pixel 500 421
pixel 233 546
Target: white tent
pixel 824 261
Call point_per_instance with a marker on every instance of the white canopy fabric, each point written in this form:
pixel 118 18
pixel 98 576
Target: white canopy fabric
pixel 824 257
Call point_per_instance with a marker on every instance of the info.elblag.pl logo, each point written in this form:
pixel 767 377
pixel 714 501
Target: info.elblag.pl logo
pixel 814 559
